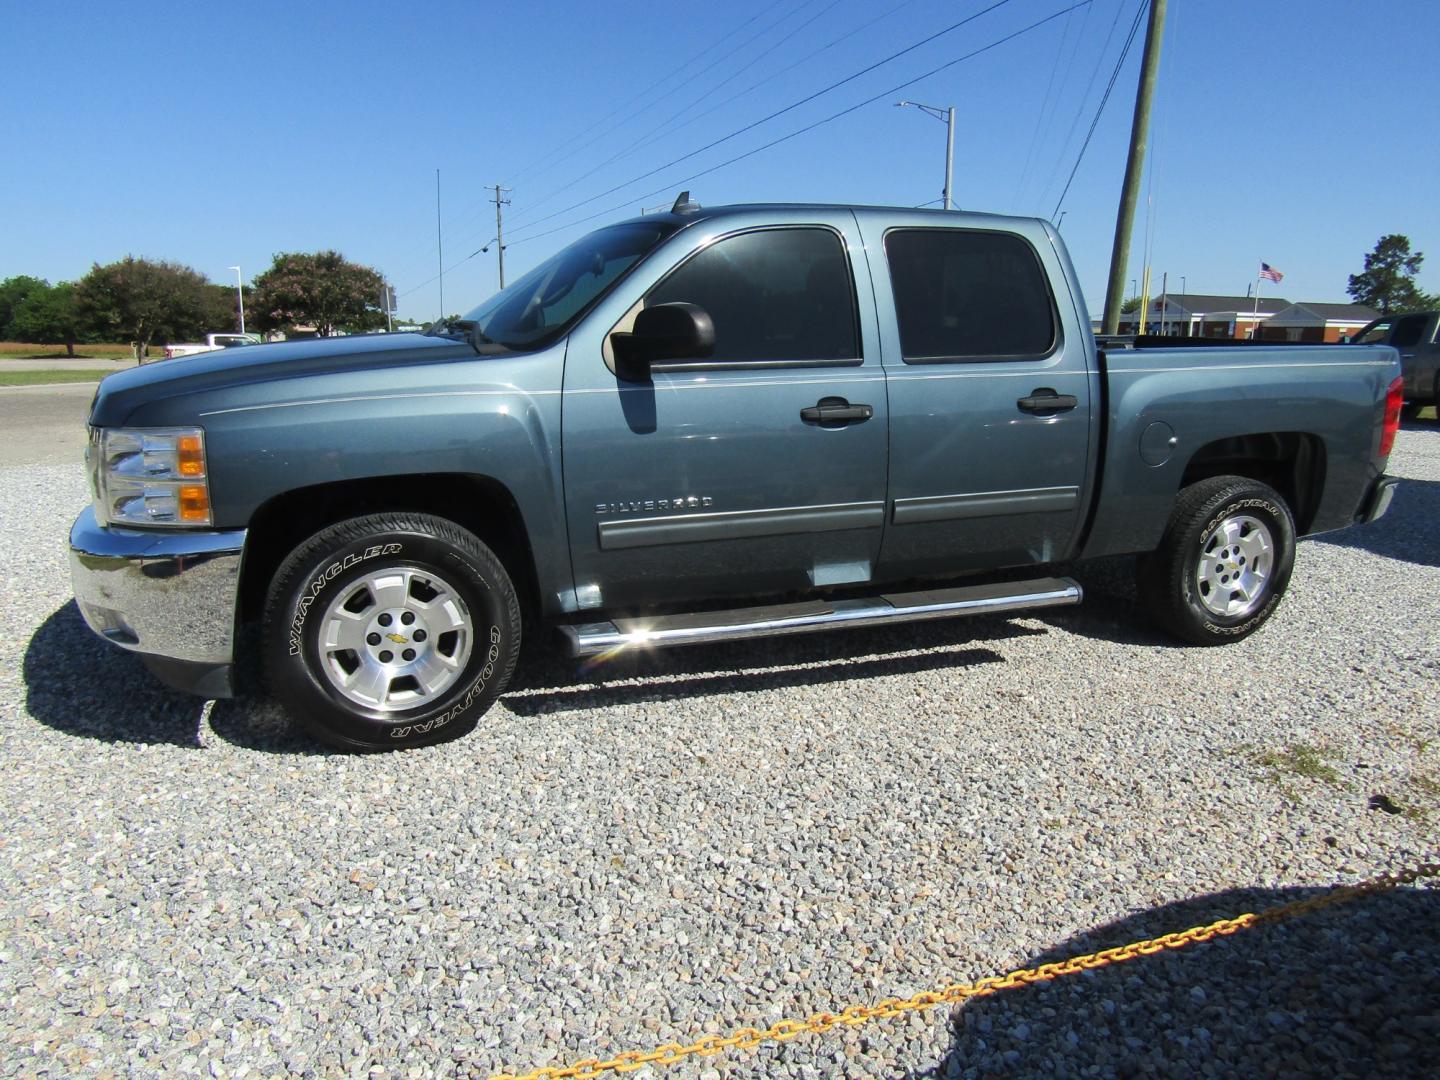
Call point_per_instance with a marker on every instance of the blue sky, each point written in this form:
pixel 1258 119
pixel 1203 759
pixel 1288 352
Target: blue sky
pixel 216 134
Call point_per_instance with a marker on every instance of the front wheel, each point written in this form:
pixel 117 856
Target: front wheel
pixel 390 631
pixel 1223 563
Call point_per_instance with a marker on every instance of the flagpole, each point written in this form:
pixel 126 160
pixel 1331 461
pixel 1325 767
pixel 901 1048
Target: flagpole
pixel 1255 315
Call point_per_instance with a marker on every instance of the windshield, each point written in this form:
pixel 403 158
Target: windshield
pixel 544 303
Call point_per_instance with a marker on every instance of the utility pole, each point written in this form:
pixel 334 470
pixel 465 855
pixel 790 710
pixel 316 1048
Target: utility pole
pixel 1134 165
pixel 500 231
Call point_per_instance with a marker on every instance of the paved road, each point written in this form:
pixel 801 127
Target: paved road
pixel 43 425
pixel 61 363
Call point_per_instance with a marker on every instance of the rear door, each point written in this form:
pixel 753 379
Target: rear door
pixel 706 480
pixel 990 398
pixel 1413 335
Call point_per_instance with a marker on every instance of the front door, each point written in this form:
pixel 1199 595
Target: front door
pixel 705 480
pixel 990 401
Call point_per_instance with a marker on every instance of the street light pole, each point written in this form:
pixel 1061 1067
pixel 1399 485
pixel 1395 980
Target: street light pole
pixel 240 295
pixel 950 158
pixel 947 115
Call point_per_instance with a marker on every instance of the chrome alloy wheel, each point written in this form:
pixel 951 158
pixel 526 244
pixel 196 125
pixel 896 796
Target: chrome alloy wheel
pixel 1237 558
pixel 395 639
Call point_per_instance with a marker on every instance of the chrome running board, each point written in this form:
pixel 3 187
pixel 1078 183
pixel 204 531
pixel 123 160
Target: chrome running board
pixel 662 631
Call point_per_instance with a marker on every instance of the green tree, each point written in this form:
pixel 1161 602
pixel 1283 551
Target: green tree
pixel 1388 281
pixel 13 292
pixel 141 301
pixel 49 316
pixel 323 290
pixel 221 308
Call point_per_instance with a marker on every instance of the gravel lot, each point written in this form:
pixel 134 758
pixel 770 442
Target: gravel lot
pixel 731 835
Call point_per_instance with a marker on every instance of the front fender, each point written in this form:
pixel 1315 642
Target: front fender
pixel 492 417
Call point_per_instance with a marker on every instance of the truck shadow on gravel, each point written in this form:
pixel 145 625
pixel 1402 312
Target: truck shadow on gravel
pixel 82 686
pixel 78 684
pixel 1351 991
pixel 548 680
pixel 1406 532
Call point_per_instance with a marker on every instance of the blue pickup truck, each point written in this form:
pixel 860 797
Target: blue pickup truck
pixel 695 426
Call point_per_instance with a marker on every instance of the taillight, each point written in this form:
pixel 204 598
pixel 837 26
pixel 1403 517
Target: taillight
pixel 1394 401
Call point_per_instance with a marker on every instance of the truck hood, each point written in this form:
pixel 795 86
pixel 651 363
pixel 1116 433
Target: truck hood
pixel 122 393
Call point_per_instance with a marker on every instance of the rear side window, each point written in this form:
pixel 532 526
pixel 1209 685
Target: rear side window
pixel 969 296
pixel 1409 331
pixel 776 296
pixel 1373 334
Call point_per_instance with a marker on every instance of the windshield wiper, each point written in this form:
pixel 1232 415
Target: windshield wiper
pixel 469 327
pixel 473 333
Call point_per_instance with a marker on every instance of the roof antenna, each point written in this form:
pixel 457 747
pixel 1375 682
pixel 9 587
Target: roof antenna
pixel 683 205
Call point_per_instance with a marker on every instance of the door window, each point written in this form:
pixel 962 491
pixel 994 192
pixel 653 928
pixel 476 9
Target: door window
pixel 777 297
pixel 969 296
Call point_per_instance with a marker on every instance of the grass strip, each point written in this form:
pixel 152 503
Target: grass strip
pixel 45 378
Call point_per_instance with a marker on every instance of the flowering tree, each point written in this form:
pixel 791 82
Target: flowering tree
pixel 323 290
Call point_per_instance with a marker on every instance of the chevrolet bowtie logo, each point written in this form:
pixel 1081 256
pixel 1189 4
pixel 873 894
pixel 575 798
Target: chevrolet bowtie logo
pixel 399 639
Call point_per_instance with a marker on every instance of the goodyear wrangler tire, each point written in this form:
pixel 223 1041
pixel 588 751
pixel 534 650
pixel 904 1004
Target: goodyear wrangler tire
pixel 1223 563
pixel 390 631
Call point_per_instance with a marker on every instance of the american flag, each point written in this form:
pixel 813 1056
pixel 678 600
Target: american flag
pixel 1269 273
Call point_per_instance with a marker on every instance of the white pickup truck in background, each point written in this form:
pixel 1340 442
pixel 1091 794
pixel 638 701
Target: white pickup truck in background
pixel 212 342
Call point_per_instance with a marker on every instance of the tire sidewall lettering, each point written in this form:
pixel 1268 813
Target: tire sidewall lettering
pixel 316 585
pixel 474 691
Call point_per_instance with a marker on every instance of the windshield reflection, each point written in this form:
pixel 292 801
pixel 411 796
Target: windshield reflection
pixel 543 304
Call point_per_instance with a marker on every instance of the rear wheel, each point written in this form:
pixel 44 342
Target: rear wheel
pixel 1223 563
pixel 1411 410
pixel 389 631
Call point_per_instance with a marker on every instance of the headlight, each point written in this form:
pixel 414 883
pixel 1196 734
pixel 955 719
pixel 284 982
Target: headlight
pixel 149 476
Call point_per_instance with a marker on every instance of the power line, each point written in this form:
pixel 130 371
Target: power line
pixel 682 111
pixel 1080 103
pixel 1115 74
pixel 787 68
pixel 695 117
pixel 549 157
pixel 1046 137
pixel 781 112
pixel 657 83
pixel 1040 117
pixel 670 185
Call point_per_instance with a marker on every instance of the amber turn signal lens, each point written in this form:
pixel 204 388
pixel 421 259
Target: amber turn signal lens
pixel 190 456
pixel 195 503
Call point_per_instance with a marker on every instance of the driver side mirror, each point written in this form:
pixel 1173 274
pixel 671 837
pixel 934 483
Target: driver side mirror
pixel 679 333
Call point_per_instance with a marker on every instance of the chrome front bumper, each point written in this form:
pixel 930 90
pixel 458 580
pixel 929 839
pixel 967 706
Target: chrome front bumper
pixel 168 595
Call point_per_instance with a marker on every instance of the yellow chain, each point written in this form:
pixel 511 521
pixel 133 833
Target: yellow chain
pixel 854 1015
